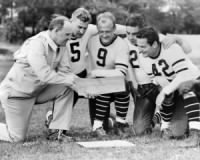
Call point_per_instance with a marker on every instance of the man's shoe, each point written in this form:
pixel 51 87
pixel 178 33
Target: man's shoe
pixel 166 134
pixel 100 132
pixel 67 133
pixel 49 117
pixel 121 128
pixel 59 136
pixel 196 134
pixel 195 142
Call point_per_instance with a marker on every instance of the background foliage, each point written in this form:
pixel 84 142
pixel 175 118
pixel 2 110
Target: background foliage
pixel 168 16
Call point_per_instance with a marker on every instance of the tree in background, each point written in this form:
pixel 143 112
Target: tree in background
pixel 182 16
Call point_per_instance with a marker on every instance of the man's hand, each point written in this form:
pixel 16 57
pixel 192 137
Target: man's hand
pixel 93 74
pixel 160 98
pixel 73 85
pixel 90 95
pixel 85 93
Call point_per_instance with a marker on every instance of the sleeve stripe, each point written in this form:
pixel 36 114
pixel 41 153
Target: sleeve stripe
pixel 180 70
pixel 121 64
pixel 123 72
pixel 136 66
pixel 180 60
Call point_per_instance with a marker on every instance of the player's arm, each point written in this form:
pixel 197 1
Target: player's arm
pixel 168 40
pixel 180 67
pixel 107 73
pixel 131 76
pixel 120 70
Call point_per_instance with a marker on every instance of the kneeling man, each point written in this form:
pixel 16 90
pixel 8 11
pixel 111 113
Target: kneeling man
pixel 175 67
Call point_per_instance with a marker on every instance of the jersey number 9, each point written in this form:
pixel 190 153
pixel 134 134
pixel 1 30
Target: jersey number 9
pixel 101 55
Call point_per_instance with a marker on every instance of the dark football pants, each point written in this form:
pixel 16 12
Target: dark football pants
pixel 145 108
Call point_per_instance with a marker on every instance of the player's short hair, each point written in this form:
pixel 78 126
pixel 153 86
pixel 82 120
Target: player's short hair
pixel 136 20
pixel 57 22
pixel 82 14
pixel 106 15
pixel 149 33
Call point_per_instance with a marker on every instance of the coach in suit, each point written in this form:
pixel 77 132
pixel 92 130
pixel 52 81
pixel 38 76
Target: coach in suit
pixel 40 73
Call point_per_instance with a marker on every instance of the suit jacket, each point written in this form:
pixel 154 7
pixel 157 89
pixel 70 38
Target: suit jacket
pixel 39 62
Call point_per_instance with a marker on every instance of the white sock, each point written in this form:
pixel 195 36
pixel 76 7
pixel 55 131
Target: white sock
pixel 194 125
pixel 120 120
pixel 97 124
pixel 164 125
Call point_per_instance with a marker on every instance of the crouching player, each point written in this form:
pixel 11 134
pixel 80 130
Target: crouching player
pixel 176 68
pixel 145 89
pixel 108 55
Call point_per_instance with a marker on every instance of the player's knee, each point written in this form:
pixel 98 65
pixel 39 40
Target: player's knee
pixel 140 127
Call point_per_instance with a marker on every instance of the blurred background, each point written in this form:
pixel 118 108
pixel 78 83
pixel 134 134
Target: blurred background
pixel 20 19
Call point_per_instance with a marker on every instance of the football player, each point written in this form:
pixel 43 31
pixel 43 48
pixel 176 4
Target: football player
pixel 175 68
pixel 77 54
pixel 146 91
pixel 108 57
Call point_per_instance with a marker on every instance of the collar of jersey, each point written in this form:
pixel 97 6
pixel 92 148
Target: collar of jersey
pixel 107 44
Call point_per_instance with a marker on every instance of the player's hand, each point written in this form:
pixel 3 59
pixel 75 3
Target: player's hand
pixel 186 86
pixel 168 41
pixel 73 85
pixel 160 98
pixel 92 74
pixel 90 95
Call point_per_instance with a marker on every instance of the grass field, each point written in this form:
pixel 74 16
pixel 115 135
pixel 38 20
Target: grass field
pixel 36 147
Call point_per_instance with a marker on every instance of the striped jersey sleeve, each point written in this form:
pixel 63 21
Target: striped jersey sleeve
pixel 177 60
pixel 122 57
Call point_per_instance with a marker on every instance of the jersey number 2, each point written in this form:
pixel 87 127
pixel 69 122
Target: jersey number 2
pixel 75 52
pixel 101 57
pixel 133 58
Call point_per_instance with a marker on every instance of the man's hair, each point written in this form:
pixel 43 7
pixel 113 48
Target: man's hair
pixel 149 33
pixel 136 20
pixel 82 14
pixel 58 22
pixel 106 15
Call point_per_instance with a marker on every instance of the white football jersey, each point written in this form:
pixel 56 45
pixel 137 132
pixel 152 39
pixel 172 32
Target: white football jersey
pixel 114 55
pixel 135 67
pixel 77 50
pixel 172 64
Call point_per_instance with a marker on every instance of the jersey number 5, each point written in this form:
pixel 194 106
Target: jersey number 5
pixel 101 55
pixel 75 52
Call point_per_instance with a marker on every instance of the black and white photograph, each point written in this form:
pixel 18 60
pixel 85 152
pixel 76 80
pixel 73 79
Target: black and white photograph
pixel 99 79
